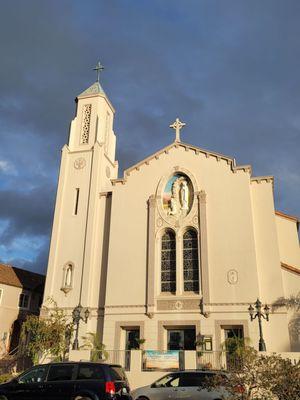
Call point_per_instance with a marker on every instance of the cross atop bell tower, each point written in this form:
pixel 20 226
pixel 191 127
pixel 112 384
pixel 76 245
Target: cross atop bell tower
pixel 98 69
pixel 177 126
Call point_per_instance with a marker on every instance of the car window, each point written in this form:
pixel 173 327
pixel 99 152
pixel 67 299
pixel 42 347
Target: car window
pixel 90 372
pixel 34 376
pixel 117 373
pixel 173 382
pixel 60 372
pixel 168 381
pixel 191 379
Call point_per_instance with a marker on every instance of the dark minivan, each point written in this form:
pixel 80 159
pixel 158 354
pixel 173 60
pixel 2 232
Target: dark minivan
pixel 69 381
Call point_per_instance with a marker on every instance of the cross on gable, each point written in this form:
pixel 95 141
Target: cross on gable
pixel 177 126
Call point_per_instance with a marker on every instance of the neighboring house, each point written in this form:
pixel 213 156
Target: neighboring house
pixel 174 251
pixel 21 293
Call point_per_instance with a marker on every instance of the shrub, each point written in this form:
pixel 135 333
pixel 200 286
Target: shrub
pixel 5 378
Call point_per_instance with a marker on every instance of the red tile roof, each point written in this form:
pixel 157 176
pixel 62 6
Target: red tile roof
pixel 22 278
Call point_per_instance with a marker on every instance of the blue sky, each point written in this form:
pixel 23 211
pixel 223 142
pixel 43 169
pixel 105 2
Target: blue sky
pixel 229 69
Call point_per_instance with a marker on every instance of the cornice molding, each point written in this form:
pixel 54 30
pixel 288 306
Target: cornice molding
pixel 188 147
pixel 263 179
pixel 287 216
pixel 290 268
pixel 244 168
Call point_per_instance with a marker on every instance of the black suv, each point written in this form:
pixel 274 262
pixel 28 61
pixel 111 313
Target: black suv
pixel 69 381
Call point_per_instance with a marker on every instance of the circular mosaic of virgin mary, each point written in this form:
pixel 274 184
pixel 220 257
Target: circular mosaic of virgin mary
pixel 178 196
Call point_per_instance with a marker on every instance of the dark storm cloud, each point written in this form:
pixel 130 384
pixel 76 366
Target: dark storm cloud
pixel 26 213
pixel 230 70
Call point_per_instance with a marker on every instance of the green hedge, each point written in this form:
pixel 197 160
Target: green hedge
pixel 5 378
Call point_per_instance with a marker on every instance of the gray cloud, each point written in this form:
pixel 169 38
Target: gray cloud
pixel 229 69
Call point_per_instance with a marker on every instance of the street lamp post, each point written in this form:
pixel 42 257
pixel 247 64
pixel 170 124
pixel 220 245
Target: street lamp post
pixel 257 312
pixel 79 314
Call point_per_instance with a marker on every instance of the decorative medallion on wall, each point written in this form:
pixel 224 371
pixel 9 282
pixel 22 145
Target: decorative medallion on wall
pixel 232 276
pixel 107 170
pixel 195 220
pixel 79 163
pixel 159 222
pixel 177 305
pixel 178 196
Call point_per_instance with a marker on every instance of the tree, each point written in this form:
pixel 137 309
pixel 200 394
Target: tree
pixel 260 377
pixel 47 336
pixel 287 383
pixel 292 304
pixel 93 342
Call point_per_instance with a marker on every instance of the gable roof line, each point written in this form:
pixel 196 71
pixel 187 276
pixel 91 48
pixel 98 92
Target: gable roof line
pixel 176 145
pixel 166 149
pixel 230 160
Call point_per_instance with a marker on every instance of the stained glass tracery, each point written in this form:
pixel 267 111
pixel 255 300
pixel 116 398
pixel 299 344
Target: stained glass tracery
pixel 190 261
pixel 168 262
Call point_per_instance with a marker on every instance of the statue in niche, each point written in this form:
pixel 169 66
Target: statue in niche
pixel 184 197
pixel 174 199
pixel 68 277
pixel 180 198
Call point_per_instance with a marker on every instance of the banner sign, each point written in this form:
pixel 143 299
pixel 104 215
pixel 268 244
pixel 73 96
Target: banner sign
pixel 161 360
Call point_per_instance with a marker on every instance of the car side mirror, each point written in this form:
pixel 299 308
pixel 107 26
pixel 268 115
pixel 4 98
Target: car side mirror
pixel 154 385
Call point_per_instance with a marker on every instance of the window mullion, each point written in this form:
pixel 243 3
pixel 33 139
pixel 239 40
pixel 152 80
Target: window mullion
pixel 179 265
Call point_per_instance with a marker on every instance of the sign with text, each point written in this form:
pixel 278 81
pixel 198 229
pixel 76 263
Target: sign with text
pixel 161 360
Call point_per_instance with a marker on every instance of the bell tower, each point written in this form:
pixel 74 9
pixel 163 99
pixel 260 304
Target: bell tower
pixel 79 243
pixel 93 121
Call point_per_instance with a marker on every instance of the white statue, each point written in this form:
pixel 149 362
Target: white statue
pixel 68 279
pixel 173 206
pixel 180 198
pixel 184 196
pixel 174 202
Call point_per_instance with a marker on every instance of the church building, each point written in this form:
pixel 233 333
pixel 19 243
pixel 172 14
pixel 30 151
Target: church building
pixel 175 251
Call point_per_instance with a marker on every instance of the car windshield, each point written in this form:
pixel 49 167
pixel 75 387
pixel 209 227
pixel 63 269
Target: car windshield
pixel 36 375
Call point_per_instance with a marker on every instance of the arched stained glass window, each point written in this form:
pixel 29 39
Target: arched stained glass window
pixel 168 262
pixel 190 261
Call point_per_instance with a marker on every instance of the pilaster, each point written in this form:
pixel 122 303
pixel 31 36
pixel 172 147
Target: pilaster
pixel 151 257
pixel 203 264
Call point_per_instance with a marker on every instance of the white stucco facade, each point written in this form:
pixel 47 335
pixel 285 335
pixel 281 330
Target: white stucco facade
pixel 106 246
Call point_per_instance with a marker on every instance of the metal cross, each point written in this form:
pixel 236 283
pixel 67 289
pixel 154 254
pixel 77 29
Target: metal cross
pixel 177 125
pixel 98 68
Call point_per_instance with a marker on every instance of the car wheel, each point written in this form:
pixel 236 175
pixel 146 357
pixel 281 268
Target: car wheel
pixel 80 398
pixel 142 398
